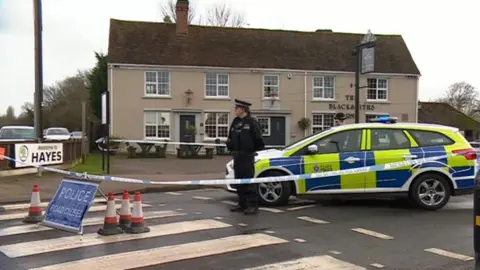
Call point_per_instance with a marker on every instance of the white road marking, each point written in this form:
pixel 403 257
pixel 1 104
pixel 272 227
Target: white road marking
pixel 377 265
pixel 335 252
pixel 21 206
pixel 272 210
pixel 93 239
pixel 161 204
pixel 174 193
pixel 300 207
pixel 219 218
pixel 372 233
pixel 300 240
pixel 229 202
pixel 202 198
pixel 311 263
pixel 270 232
pixel 242 224
pixel 449 254
pixel 95 208
pixel 198 213
pixel 313 220
pixel 168 254
pixel 15 230
pixel 179 209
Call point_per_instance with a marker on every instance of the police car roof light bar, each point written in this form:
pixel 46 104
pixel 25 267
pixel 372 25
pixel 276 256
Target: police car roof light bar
pixel 384 119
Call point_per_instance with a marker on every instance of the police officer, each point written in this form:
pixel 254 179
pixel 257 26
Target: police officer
pixel 244 139
pixel 339 119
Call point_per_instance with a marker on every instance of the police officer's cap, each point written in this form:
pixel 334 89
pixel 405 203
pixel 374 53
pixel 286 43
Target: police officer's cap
pixel 242 104
pixel 340 116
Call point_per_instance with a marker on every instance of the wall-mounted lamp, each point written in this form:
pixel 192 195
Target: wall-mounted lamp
pixel 189 95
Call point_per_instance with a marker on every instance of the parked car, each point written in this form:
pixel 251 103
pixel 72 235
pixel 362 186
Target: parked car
pixel 56 134
pixel 76 135
pixel 428 185
pixel 14 133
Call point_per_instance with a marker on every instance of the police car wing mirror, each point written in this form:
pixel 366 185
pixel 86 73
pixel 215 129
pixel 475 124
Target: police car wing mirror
pixel 312 149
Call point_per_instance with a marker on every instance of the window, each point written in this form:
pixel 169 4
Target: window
pixel 216 85
pixel 388 139
pixel 323 88
pixel 271 86
pixel 322 122
pixel 264 125
pixel 430 138
pixel 157 83
pixel 377 89
pixel 345 141
pixel 216 125
pixel 157 125
pixel 370 116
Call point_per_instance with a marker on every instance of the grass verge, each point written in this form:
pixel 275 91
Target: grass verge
pixel 92 165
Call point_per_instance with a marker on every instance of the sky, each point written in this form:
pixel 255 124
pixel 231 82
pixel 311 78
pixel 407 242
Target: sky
pixel 443 36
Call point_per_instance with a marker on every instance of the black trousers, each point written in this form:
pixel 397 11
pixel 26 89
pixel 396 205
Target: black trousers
pixel 243 166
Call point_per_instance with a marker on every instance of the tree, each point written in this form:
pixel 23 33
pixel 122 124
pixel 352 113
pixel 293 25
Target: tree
pixel 10 114
pixel 98 82
pixel 223 16
pixel 217 15
pixel 463 97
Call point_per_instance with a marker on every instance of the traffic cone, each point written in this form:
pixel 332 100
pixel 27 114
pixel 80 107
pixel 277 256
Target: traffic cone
pixel 138 224
pixel 34 211
pixel 110 225
pixel 125 212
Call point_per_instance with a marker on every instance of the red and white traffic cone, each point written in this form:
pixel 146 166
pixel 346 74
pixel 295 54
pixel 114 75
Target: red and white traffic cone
pixel 125 212
pixel 35 210
pixel 138 224
pixel 110 224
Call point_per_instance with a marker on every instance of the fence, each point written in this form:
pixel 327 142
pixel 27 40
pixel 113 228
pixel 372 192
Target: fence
pixel 72 151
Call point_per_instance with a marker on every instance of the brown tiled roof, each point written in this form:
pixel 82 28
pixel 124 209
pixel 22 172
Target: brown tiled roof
pixel 444 114
pixel 157 44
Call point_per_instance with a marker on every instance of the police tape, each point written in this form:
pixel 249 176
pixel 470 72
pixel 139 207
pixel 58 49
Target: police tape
pixel 268 179
pixel 102 140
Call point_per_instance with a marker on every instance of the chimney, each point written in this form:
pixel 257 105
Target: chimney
pixel 181 10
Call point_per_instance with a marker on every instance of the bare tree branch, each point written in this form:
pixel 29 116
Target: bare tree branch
pixel 169 10
pixel 462 96
pixel 223 16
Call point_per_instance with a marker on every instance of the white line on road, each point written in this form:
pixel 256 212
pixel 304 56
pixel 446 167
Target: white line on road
pixel 449 254
pixel 377 265
pixel 21 206
pixel 311 263
pixel 173 193
pixel 92 239
pixel 335 252
pixel 299 240
pixel 372 233
pixel 15 230
pixel 202 198
pixel 242 224
pixel 272 210
pixel 229 202
pixel 313 220
pixel 300 207
pixel 168 254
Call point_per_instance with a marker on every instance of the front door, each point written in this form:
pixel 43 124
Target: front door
pixel 187 123
pixel 339 151
pixel 273 130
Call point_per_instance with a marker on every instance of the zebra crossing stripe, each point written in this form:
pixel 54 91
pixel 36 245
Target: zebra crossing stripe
pixel 15 230
pixel 311 263
pixel 168 254
pixel 95 208
pixel 92 239
pixel 21 206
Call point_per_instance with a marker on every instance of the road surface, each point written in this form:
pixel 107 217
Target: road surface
pixel 195 230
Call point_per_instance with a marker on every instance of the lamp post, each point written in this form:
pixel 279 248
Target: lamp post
pixel 38 98
pixel 365 53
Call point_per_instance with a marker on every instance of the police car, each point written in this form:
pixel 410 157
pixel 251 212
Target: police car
pixel 381 141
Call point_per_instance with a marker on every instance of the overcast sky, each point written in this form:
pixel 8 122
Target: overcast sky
pixel 443 36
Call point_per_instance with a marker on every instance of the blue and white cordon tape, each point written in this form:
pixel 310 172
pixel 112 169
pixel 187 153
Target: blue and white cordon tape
pixel 269 179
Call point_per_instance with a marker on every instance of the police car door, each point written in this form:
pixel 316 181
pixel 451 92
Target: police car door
pixel 339 151
pixel 389 145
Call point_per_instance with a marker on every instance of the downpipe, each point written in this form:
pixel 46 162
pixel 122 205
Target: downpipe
pixel 476 223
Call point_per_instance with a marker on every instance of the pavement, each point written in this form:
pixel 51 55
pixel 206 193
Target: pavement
pixel 19 188
pixel 195 230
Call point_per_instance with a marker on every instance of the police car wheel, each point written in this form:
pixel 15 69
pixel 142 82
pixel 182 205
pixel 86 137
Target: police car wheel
pixel 276 193
pixel 430 191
